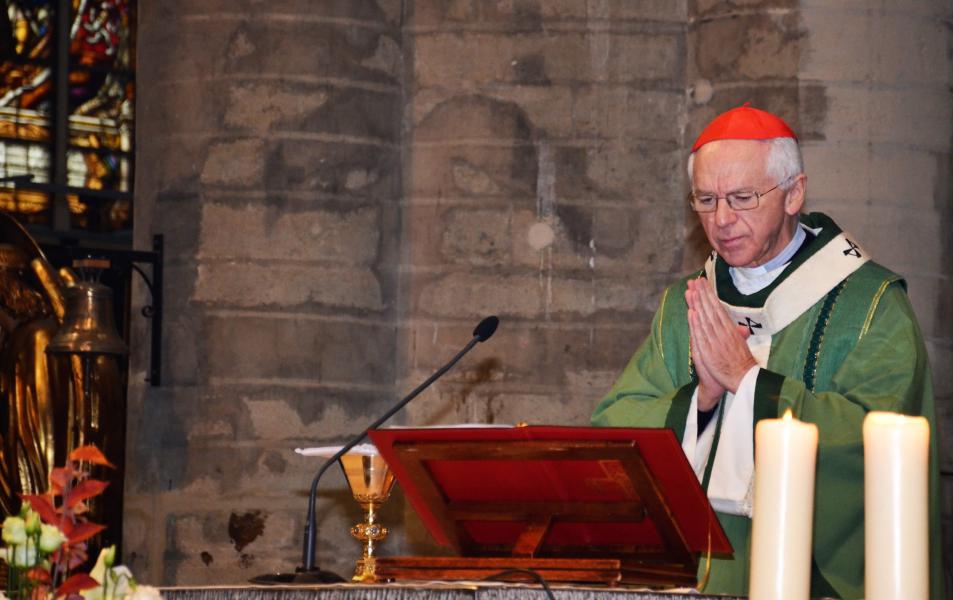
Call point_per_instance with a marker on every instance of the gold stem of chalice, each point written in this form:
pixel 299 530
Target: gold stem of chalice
pixel 371 482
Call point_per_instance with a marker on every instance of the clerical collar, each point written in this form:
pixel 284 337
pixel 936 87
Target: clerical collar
pixel 749 280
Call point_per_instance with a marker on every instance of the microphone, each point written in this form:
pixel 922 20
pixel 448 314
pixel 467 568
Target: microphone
pixel 308 572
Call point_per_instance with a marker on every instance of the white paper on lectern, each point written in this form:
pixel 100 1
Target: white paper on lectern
pixel 371 450
pixel 329 451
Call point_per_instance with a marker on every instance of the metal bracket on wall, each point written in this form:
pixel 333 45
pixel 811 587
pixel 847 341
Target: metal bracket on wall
pixel 129 261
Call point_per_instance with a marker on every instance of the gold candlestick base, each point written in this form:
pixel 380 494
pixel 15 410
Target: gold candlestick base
pixel 371 482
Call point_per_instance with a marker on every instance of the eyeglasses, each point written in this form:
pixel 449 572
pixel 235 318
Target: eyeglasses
pixel 739 200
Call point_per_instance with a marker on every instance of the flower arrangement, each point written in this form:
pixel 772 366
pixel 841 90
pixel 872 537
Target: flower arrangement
pixel 47 541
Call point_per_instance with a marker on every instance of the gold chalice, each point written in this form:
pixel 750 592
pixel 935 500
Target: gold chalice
pixel 371 482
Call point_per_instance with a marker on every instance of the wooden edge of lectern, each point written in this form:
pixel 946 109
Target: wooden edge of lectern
pixel 673 564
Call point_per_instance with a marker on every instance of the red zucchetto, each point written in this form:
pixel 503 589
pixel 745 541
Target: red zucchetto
pixel 744 123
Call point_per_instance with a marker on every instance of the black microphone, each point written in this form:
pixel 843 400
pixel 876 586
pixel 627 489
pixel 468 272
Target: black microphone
pixel 308 572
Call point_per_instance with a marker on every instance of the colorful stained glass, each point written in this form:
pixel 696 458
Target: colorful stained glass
pixel 100 100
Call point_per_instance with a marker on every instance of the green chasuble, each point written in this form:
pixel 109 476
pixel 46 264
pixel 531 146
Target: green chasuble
pixel 843 341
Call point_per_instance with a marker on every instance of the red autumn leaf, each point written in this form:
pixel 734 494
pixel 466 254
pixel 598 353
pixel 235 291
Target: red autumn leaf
pixel 43 507
pixel 59 478
pixel 39 575
pixel 83 531
pixel 90 454
pixel 76 583
pixel 83 490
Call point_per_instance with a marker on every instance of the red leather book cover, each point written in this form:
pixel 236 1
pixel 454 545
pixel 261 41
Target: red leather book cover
pixel 493 479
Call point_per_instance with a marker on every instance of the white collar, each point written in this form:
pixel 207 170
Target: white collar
pixel 750 280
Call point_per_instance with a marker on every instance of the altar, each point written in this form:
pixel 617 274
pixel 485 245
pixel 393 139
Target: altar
pixel 425 591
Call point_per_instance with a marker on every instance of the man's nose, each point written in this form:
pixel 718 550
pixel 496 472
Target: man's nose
pixel 724 214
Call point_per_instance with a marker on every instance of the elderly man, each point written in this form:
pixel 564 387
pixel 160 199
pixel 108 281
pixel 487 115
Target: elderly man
pixel 789 312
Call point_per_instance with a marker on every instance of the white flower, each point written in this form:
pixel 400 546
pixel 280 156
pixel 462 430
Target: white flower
pixel 51 538
pixel 14 530
pixel 145 592
pixel 23 555
pixel 120 582
pixel 95 593
pixel 32 519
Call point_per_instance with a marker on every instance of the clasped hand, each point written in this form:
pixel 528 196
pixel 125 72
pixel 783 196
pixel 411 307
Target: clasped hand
pixel 719 351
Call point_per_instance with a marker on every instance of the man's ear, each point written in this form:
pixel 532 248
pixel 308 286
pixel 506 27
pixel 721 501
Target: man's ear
pixel 794 198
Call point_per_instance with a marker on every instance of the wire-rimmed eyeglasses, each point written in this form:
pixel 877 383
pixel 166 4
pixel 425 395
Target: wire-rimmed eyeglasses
pixel 737 200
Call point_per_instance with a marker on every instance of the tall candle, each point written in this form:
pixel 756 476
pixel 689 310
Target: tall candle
pixel 896 457
pixel 784 463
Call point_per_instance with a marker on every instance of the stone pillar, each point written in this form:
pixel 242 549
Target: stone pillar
pixel 269 156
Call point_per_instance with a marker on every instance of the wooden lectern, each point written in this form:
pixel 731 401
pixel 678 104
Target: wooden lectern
pixel 574 504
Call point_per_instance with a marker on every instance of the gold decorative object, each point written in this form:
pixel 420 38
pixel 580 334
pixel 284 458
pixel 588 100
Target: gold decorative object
pixel 371 482
pixel 50 403
pixel 88 326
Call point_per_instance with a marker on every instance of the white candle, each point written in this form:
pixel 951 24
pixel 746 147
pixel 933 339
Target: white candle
pixel 896 457
pixel 784 462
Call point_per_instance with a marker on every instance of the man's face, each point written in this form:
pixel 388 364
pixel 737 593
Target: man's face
pixel 751 237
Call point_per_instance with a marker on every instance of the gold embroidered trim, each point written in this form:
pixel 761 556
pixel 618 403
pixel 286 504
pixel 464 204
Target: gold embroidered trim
pixel 873 309
pixel 658 331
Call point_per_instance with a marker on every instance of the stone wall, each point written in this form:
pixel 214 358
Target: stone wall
pixel 346 187
pixel 269 156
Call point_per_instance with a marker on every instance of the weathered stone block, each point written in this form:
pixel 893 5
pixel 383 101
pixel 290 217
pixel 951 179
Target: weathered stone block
pixel 367 11
pixel 889 116
pixel 295 348
pixel 487 171
pixel 234 163
pixel 477 237
pixel 629 112
pixel 289 416
pixel 924 292
pixel 262 105
pixel 185 107
pixel 184 349
pixel 355 168
pixel 644 57
pixel 303 108
pixel 180 216
pixel 257 285
pixel 879 176
pixel 511 15
pixel 645 10
pixel 885 228
pixel 443 59
pixel 748 46
pixel 177 163
pixel 645 171
pixel 465 294
pixel 333 50
pixel 188 49
pixel 929 8
pixel 908 49
pixel 525 353
pixel 452 405
pixel 515 16
pixel 280 231
pixel 712 8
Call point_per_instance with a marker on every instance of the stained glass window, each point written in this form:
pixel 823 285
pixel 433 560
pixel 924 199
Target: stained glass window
pixel 71 132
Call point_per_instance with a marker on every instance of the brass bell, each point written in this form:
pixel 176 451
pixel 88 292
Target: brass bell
pixel 88 326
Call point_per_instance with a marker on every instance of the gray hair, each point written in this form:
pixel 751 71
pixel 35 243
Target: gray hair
pixel 783 164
